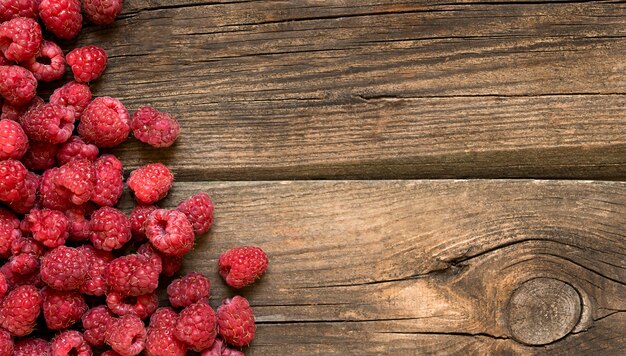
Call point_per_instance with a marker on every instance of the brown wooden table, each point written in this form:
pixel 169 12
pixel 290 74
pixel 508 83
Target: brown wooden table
pixel 426 176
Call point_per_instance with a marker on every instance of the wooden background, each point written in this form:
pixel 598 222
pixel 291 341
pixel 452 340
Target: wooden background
pixel 394 159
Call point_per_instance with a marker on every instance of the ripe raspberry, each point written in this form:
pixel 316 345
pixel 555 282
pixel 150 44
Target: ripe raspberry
pixel 73 95
pixel 137 217
pixel 62 309
pixel 70 342
pixel 156 258
pixel 13 140
pixel 156 128
pixel 160 341
pixel 53 196
pixel 235 321
pixel 49 123
pixel 110 229
pixel 49 227
pixel 96 321
pixel 150 183
pixel 14 112
pixel 105 123
pixel 163 317
pixel 40 156
pixel 6 343
pixel 199 211
pixel 18 86
pixel 170 232
pixel 20 39
pixel 64 268
pixel 24 263
pixel 102 12
pixel 61 17
pixel 27 245
pixel 132 275
pixel 190 289
pixel 242 266
pixel 142 306
pixel 126 335
pixel 12 180
pixel 167 265
pixel 19 310
pixel 196 326
pixel 9 232
pixel 95 284
pixel 109 181
pixel 28 195
pixel 4 285
pixel 32 347
pixel 10 9
pixel 76 179
pixel 219 348
pixel 75 149
pixel 87 63
pixel 79 221
pixel 51 65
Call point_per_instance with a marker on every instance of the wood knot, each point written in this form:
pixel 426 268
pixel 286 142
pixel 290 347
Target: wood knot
pixel 543 310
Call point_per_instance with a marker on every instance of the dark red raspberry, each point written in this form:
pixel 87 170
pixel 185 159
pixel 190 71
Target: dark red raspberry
pixel 64 268
pixel 75 149
pixel 18 86
pixel 95 284
pixel 105 123
pixel 49 123
pixel 61 17
pixel 10 9
pixel 40 156
pixel 126 335
pixel 87 63
pixel 9 232
pixel 196 326
pixel 95 322
pixel 150 183
pixel 242 266
pixel 19 310
pixel 170 232
pixel 142 306
pixel 47 226
pixel 70 342
pixel 190 289
pixel 77 179
pixel 32 347
pixel 109 181
pixel 219 348
pixel 160 341
pixel 102 12
pixel 20 40
pixel 15 113
pixel 137 217
pixel 24 263
pixel 49 64
pixel 199 211
pixel 13 140
pixel 53 196
pixel 132 275
pixel 28 195
pixel 235 321
pixel 6 343
pixel 73 95
pixel 156 128
pixel 4 285
pixel 79 221
pixel 12 180
pixel 168 265
pixel 110 229
pixel 163 317
pixel 62 309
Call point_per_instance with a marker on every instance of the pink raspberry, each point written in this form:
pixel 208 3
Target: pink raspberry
pixel 40 156
pixel 163 317
pixel 61 17
pixel 32 347
pixel 105 123
pixel 6 343
pixel 137 217
pixel 109 181
pixel 110 229
pixel 10 9
pixel 70 342
pixel 12 180
pixel 102 12
pixel 170 232
pixel 62 309
pixel 24 263
pixel 49 64
pixel 77 179
pixel 156 128
pixel 75 149
pixel 199 211
pixel 9 232
pixel 95 284
pixel 96 321
pixel 15 113
pixel 235 321
pixel 87 63
pixel 19 310
pixel 50 227
pixel 142 306
pixel 168 265
pixel 52 195
pixel 64 268
pixel 13 140
pixel 190 289
pixel 79 221
pixel 73 95
pixel 150 183
pixel 20 39
pixel 242 266
pixel 196 326
pixel 28 195
pixel 132 275
pixel 18 86
pixel 126 335
pixel 49 123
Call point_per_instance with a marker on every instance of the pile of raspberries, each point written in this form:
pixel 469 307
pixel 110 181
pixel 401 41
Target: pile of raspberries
pixel 76 273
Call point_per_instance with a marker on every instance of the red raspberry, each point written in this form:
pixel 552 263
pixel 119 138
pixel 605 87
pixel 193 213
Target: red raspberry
pixel 109 181
pixel 24 263
pixel 61 17
pixel 79 223
pixel 4 285
pixel 70 342
pixel 156 128
pixel 142 306
pixel 161 341
pixel 13 140
pixel 20 39
pixel 110 229
pixel 6 343
pixel 51 65
pixel 199 211
pixel 170 232
pixel 47 226
pixel 235 321
pixel 40 156
pixel 242 266
pixel 195 326
pixel 12 180
pixel 10 9
pixel 73 95
pixel 102 12
pixel 77 179
pixel 163 317
pixel 49 123
pixel 32 347
pixel 132 275
pixel 15 113
pixel 190 289
pixel 87 63
pixel 167 265
pixel 75 149
pixel 150 183
pixel 19 310
pixel 126 335
pixel 18 86
pixel 28 195
pixel 95 284
pixel 9 231
pixel 53 196
pixel 105 123
pixel 62 309
pixel 96 321
pixel 137 217
pixel 64 268
pixel 156 258
pixel 219 348
pixel 27 245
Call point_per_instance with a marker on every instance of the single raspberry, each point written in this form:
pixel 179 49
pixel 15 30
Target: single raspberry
pixel 27 245
pixel 49 64
pixel 105 123
pixel 50 227
pixel 12 180
pixel 196 326
pixel 15 113
pixel 75 148
pixel 132 275
pixel 110 229
pixel 137 217
pixel 190 289
pixel 18 86
pixel 96 321
pixel 13 140
pixel 150 183
pixel 199 211
pixel 62 309
pixel 163 317
pixel 19 310
pixel 28 195
pixel 4 285
pixel 168 265
pixel 102 12
pixel 9 231
pixel 73 95
pixel 77 179
pixel 95 284
pixel 6 343
pixel 160 341
pixel 40 156
pixel 87 63
pixel 170 232
pixel 126 335
pixel 20 39
pixel 53 196
pixel 32 347
pixel 10 9
pixel 79 221
pixel 15 279
pixel 219 348
pixel 24 263
pixel 156 128
pixel 242 266
pixel 61 17
pixel 49 123
pixel 235 321
pixel 64 268
pixel 109 181
pixel 142 306
pixel 70 342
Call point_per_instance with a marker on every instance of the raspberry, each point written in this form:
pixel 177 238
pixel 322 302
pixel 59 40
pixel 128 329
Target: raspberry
pixel 4 285
pixel 28 195
pixel 219 348
pixel 53 196
pixel 160 341
pixel 6 343
pixel 199 211
pixel 10 9
pixel 13 140
pixel 150 183
pixel 20 39
pixel 61 17
pixel 110 229
pixel 73 95
pixel 235 321
pixel 19 310
pixel 109 181
pixel 190 289
pixel 166 264
pixel 70 342
pixel 163 317
pixel 142 306
pixel 137 217
pixel 102 12
pixel 32 347
pixel 242 266
pixel 18 86
pixel 105 123
pixel 64 268
pixel 76 179
pixel 27 245
pixel 49 227
pixel 62 309
pixel 195 326
pixel 49 123
pixel 156 258
pixel 75 149
pixel 96 321
pixel 52 64
pixel 95 284
pixel 15 279
pixel 156 128
pixel 126 335
pixel 170 232
pixel 14 112
pixel 40 156
pixel 79 223
pixel 132 275
pixel 87 63
pixel 9 231
pixel 12 180
pixel 24 263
